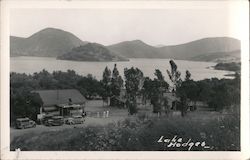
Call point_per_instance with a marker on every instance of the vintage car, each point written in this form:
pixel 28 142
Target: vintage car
pixel 22 123
pixel 75 120
pixel 54 121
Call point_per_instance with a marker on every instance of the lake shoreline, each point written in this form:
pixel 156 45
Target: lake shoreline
pixel 128 59
pixel 31 64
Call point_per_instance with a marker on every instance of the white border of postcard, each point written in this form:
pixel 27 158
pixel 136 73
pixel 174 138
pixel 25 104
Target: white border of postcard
pixel 240 11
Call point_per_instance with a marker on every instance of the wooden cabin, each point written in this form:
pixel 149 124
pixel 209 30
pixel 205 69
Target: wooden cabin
pixel 63 102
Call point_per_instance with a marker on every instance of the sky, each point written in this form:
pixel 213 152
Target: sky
pixel 110 26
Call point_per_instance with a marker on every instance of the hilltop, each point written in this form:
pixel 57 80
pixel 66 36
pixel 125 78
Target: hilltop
pixel 49 42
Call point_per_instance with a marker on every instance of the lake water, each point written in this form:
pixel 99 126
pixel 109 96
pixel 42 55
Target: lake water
pixel 198 70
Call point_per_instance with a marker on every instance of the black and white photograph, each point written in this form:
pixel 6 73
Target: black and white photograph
pixel 109 78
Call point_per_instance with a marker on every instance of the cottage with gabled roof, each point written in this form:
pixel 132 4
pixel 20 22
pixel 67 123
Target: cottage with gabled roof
pixel 63 102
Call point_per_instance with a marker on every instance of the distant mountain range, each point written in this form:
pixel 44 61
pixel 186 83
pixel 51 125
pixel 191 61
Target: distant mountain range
pixel 207 49
pixel 53 42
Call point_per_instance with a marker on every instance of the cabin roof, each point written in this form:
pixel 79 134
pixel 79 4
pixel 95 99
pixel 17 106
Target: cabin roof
pixel 61 96
pixel 22 119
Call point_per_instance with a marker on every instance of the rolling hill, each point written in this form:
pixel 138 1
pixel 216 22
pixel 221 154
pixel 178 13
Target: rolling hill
pixel 49 42
pixel 135 49
pixel 207 49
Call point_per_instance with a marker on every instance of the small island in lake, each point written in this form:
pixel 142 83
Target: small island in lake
pixel 91 52
pixel 232 66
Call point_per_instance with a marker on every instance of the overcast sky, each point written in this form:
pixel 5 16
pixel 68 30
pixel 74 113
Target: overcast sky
pixel 109 26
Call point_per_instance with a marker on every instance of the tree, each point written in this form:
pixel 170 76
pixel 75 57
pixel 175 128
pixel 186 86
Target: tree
pixel 188 76
pixel 89 86
pixel 174 75
pixel 184 105
pixel 235 93
pixel 163 85
pixel 159 75
pixel 188 88
pixel 66 80
pixel 220 97
pixel 187 91
pixel 147 88
pixel 159 87
pixel 45 80
pixel 205 90
pixel 133 80
pixel 106 81
pixel 23 103
pixel 154 89
pixel 116 85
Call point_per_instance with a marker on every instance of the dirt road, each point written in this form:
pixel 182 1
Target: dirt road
pixel 89 121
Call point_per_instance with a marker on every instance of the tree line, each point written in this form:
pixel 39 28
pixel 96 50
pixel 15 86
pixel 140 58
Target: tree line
pixel 218 93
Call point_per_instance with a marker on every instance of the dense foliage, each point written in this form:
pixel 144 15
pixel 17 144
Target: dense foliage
pixel 218 93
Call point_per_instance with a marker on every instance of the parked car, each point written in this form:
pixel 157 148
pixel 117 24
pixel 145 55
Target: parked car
pixel 22 123
pixel 75 120
pixel 54 121
pixel 46 118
